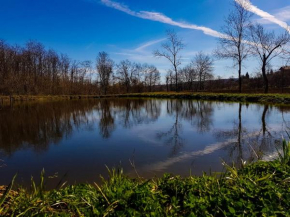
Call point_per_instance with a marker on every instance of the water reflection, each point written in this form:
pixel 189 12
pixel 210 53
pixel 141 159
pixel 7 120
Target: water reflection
pixel 237 134
pixel 198 113
pixel 37 125
pixel 172 135
pixel 107 121
pixel 84 135
pixel 251 144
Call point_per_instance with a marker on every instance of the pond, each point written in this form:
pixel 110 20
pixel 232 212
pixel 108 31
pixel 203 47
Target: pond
pixel 75 140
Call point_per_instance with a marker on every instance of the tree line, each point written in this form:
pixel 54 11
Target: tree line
pixel 240 40
pixel 33 69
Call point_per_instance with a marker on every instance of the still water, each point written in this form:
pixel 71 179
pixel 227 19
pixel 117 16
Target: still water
pixel 76 140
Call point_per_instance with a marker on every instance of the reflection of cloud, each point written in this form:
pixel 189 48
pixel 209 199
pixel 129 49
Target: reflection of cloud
pixel 146 135
pixel 265 15
pixel 155 16
pixel 160 166
pixel 208 150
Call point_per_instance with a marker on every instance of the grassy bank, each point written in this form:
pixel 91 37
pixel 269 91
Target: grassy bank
pixel 258 189
pixel 234 97
pixel 7 99
pixel 261 98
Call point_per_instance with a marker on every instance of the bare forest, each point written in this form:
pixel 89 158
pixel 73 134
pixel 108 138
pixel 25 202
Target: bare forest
pixel 32 69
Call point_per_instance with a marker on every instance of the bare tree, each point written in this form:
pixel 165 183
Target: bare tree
pixel 287 56
pixel 127 73
pixel 151 76
pixel 105 70
pixel 169 79
pixel 189 75
pixel 137 78
pixel 266 45
pixel 233 46
pixel 203 65
pixel 32 69
pixel 170 51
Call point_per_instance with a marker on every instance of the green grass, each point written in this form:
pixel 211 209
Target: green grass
pixel 257 189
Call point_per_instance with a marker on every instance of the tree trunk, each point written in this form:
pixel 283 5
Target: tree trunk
pixel 266 85
pixel 264 126
pixel 240 77
pixel 200 82
pixel 176 85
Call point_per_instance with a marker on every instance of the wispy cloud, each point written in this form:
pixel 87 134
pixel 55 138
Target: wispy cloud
pixel 148 44
pixel 284 13
pixel 265 15
pixel 281 14
pixel 159 17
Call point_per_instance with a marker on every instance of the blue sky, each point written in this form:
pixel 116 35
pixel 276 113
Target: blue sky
pixel 82 28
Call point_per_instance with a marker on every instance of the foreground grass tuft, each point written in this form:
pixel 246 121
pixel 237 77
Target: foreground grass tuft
pixel 258 189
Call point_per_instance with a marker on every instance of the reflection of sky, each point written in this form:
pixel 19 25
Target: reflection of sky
pixel 84 153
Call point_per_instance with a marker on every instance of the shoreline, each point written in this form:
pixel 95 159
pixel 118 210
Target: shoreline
pixel 232 97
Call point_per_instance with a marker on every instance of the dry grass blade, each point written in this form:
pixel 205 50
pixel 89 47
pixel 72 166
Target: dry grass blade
pixel 8 189
pixel 102 193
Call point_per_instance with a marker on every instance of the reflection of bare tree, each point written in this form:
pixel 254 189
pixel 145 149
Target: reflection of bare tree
pixel 172 136
pixel 249 145
pixel 153 109
pixel 107 122
pixel 264 125
pixel 36 125
pixel 286 125
pixel 264 140
pixel 285 109
pixel 203 119
pixel 198 113
pixel 236 149
pixel 137 111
